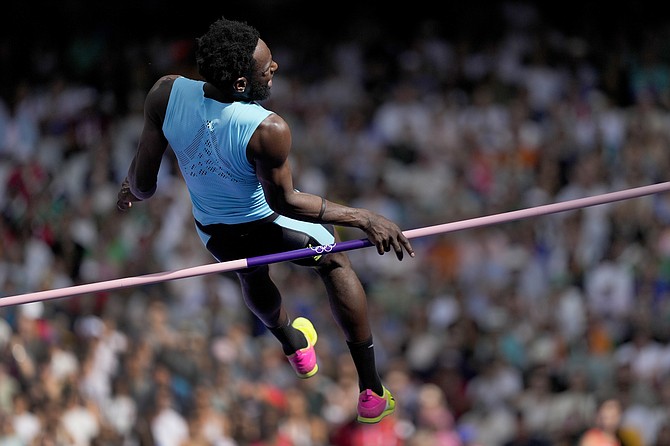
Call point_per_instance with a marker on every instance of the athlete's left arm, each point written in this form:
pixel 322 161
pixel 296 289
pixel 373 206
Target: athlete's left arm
pixel 269 150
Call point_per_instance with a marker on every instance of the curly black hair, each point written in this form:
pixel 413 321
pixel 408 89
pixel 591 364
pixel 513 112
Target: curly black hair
pixel 226 52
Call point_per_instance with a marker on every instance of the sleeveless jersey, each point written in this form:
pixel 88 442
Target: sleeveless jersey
pixel 209 139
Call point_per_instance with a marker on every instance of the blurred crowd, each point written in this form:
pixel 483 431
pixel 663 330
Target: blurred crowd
pixel 510 334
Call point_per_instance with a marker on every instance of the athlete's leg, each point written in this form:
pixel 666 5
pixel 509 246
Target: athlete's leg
pixel 349 306
pixel 348 303
pixel 264 300
pixel 262 296
pixel 346 296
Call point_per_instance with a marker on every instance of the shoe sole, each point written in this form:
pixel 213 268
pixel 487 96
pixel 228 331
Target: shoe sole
pixel 388 411
pixel 306 327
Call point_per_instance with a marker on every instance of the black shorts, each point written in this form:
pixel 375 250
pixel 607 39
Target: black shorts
pixel 270 235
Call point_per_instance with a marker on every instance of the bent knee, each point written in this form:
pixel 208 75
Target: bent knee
pixel 334 261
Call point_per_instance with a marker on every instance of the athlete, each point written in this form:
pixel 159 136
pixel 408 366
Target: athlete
pixel 233 155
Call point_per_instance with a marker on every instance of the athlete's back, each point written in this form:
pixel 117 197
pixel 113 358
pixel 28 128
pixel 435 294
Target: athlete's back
pixel 209 139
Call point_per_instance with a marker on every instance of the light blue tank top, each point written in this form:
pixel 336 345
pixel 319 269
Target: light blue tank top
pixel 210 141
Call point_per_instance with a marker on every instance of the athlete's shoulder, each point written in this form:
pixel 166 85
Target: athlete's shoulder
pixel 160 91
pixel 274 124
pixel 158 97
pixel 271 140
pixel 165 83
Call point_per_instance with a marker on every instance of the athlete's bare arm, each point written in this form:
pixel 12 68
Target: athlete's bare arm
pixel 143 172
pixel 269 150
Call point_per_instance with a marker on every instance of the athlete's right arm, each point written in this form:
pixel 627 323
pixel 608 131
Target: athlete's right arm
pixel 141 181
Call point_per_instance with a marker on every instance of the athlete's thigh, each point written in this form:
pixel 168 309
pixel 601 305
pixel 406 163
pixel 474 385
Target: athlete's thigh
pixel 229 244
pixel 298 235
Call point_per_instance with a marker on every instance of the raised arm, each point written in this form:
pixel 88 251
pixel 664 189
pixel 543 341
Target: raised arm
pixel 269 151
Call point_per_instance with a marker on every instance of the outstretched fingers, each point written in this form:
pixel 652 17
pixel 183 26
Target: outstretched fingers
pixel 398 243
pixel 398 249
pixel 404 241
pixel 386 235
pixel 382 246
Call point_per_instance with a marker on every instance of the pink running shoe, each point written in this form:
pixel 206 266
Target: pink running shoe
pixel 372 407
pixel 304 360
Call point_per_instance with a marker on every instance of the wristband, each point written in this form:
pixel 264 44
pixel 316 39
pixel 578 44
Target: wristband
pixel 323 208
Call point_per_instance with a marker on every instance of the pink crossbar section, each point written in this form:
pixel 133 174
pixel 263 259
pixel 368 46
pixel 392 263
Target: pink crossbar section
pixel 537 211
pixel 343 246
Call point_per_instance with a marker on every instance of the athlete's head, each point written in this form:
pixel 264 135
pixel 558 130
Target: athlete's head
pixel 232 57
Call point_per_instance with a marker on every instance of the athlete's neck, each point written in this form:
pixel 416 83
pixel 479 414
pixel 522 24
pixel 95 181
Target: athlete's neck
pixel 214 93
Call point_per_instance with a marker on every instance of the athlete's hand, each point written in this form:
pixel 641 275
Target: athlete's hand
pixel 386 235
pixel 125 197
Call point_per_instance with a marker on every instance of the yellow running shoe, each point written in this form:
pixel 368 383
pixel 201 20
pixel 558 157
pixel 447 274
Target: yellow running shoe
pixel 304 360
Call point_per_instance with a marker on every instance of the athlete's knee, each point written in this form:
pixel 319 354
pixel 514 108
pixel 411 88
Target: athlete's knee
pixel 332 262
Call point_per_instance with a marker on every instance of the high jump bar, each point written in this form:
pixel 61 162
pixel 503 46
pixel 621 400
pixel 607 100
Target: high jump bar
pixel 234 265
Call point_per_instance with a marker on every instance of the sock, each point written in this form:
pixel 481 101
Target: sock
pixel 363 354
pixel 291 338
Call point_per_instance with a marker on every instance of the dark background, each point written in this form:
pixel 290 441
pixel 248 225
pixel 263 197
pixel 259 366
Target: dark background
pixel 25 23
pixel 127 19
pixel 32 31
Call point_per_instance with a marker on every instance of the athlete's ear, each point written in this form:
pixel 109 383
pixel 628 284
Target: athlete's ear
pixel 240 85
